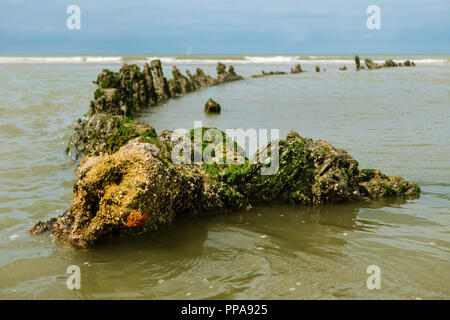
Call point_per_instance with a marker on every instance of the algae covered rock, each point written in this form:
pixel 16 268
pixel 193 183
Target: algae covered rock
pixel 179 84
pixel 101 134
pixel 107 101
pixel 310 172
pixel 226 76
pixel 266 74
pixel 212 106
pixel 127 91
pixel 370 64
pixel 131 190
pixel 297 69
pixel 151 93
pixel 390 63
pixel 314 172
pixel 124 92
pixel 120 95
pixel 376 185
pixel 357 63
pixel 139 187
pixel 200 80
pixel 408 63
pixel 159 81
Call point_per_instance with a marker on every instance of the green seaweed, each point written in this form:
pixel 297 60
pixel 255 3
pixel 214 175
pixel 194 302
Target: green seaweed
pixel 213 170
pixel 295 177
pixel 235 172
pixel 370 173
pixel 108 79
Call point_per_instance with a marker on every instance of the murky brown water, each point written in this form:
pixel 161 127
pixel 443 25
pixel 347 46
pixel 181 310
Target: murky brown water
pixel 396 120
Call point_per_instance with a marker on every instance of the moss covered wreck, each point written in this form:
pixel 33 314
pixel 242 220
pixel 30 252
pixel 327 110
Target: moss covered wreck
pixel 139 188
pixel 129 182
pixel 120 95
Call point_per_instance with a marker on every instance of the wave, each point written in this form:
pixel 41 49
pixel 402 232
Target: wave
pixel 273 59
pixel 194 61
pixel 103 59
pixel 417 61
pixel 425 61
pixel 278 60
pixel 256 60
pixel 204 60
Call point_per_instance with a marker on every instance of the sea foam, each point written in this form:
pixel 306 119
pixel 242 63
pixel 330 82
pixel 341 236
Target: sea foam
pixel 186 60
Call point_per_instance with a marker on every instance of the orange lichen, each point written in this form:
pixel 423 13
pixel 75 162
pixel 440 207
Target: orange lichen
pixel 83 161
pixel 136 219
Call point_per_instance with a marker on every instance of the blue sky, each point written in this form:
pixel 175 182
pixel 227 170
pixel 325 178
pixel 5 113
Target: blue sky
pixel 224 27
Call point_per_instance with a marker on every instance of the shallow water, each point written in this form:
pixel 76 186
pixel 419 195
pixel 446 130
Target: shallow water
pixel 396 120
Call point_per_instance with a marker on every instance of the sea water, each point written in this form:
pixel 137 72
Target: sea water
pixel 394 119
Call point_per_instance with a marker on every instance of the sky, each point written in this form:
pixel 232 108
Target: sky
pixel 224 27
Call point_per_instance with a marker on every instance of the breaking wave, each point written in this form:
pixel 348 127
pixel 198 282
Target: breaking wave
pixel 206 60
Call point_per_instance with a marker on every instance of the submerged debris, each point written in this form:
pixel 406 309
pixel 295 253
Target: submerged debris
pixel 122 94
pixel 128 182
pixel 212 106
pixel 139 188
pixel 297 69
pixel 358 63
pixel 270 73
pixel 371 65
